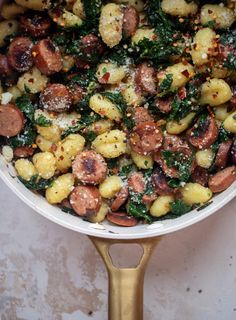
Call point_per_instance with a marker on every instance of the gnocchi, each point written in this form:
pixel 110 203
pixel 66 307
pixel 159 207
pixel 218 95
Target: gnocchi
pixel 215 92
pixel 39 5
pixel 110 186
pixel 205 158
pixel 7 27
pixel 179 7
pixel 177 127
pixel 142 161
pixel 110 73
pixel 104 107
pixel 60 189
pixel 194 193
pixel 33 81
pixel 230 122
pixel 222 17
pixel 45 164
pixel 25 169
pixel 161 206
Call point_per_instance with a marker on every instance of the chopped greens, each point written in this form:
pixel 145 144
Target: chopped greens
pixel 42 121
pixel 178 208
pixel 36 183
pixel 167 82
pixel 26 106
pixel 26 138
pixel 139 211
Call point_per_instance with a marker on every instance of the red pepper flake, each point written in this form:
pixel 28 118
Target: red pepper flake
pixel 214 95
pixel 182 93
pixel 104 79
pixel 185 73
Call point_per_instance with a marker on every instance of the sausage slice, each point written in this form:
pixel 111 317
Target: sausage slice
pixel 200 175
pixel 120 198
pixel 86 201
pixel 121 219
pixel 222 179
pixel 47 57
pixel 91 45
pixel 130 21
pixel 145 78
pixel 204 132
pixel 56 97
pixel 23 152
pixel 164 104
pixel 136 182
pixel 19 54
pixel 233 152
pixel 222 155
pixel 146 138
pixel 89 167
pixel 11 120
pixel 5 68
pixel 37 24
pixel 141 115
pixel 160 184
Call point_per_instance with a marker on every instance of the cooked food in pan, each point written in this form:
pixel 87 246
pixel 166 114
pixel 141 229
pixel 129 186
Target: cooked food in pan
pixel 121 110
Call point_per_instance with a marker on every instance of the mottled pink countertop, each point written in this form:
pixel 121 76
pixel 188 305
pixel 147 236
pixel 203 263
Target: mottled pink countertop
pixel 50 273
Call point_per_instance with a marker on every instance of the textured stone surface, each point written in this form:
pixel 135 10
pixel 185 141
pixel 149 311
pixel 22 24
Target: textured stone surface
pixel 50 273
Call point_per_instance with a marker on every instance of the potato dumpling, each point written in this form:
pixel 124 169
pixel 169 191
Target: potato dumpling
pixel 39 5
pixel 194 193
pixel 180 8
pixel 110 24
pixel 67 150
pixel 7 27
pixel 222 111
pixel 110 186
pixel 67 19
pixel 142 161
pixel 222 16
pixel 203 46
pixel 181 74
pixel 205 158
pixel 10 10
pixel 111 144
pixel 60 189
pixel 25 169
pixel 230 122
pixel 103 106
pixel 45 164
pixel 15 92
pixel 110 73
pixel 43 144
pixel 161 206
pixel 143 33
pixel 177 127
pixel 33 81
pixel 51 133
pixel 138 4
pixel 215 92
pixel 131 96
pixel 101 215
pixel 101 126
pixel 78 9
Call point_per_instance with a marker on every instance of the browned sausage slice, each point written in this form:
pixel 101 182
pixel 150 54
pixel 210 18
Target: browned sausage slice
pixel 204 133
pixel 86 201
pixel 121 219
pixel 11 120
pixel 56 97
pixel 19 54
pixel 145 78
pixel 37 24
pixel 233 152
pixel 164 104
pixel 233 99
pixel 149 198
pixel 136 182
pixel 130 21
pixel 200 175
pixel 5 68
pixel 146 138
pixel 177 146
pixel 141 115
pixel 222 155
pixel 120 198
pixel 77 93
pixel 222 179
pixel 160 184
pixel 89 167
pixel 47 57
pixel 91 45
pixel 23 152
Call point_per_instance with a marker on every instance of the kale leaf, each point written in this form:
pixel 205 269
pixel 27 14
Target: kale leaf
pixel 26 138
pixel 26 106
pixel 36 183
pixel 42 121
pixel 178 208
pixel 139 211
pixel 92 9
pixel 167 82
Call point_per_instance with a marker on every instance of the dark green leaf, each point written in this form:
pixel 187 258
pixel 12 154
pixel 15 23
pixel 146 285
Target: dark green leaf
pixel 36 183
pixel 26 106
pixel 26 138
pixel 178 208
pixel 139 211
pixel 42 121
pixel 69 211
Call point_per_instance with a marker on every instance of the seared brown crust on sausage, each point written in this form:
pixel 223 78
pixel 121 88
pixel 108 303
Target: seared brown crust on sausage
pixel 23 152
pixel 5 68
pixel 200 175
pixel 160 184
pixel 85 200
pixel 223 154
pixel 121 219
pixel 56 97
pixel 149 198
pixel 222 179
pixel 141 114
pixel 11 120
pixel 130 21
pixel 35 24
pixel 174 144
pixel 145 78
pixel 77 93
pixel 47 57
pixel 233 152
pixel 136 182
pixel 120 198
pixel 206 134
pixel 19 54
pixel 89 167
pixel 146 138
pixel 91 45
